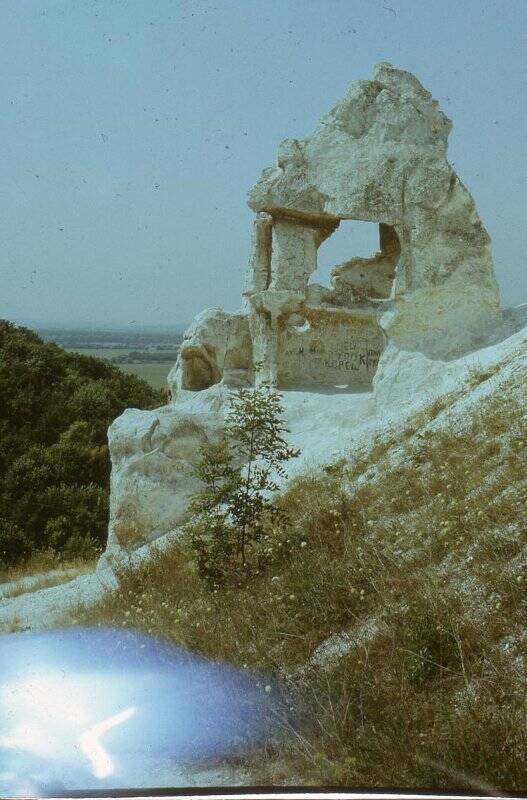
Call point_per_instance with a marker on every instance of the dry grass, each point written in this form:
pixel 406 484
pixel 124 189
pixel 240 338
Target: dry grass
pixel 40 563
pixel 421 568
pixel 45 581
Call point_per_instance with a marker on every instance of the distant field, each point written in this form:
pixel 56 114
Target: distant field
pixel 98 352
pixel 154 373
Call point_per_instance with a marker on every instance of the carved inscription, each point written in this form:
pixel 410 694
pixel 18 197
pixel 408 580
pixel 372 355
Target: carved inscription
pixel 340 354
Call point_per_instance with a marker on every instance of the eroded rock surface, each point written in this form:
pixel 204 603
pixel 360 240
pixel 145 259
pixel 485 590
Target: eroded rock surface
pixel 152 454
pixel 380 155
pixel 216 346
pixel 405 314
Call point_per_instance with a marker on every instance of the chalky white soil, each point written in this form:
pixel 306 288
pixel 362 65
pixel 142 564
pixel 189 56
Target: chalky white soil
pixel 41 609
pixel 324 427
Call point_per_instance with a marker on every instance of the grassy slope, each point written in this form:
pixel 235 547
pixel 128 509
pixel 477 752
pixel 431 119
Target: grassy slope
pixel 43 569
pixel 395 606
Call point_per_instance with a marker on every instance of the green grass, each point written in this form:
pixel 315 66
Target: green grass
pixel 421 568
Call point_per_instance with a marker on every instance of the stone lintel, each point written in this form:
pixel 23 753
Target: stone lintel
pixel 325 223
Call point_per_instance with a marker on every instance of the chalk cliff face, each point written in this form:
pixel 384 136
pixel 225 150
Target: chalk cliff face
pixel 428 296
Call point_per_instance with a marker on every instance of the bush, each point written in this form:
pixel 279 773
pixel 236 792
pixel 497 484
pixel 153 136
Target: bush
pixel 81 548
pixel 231 512
pixel 14 544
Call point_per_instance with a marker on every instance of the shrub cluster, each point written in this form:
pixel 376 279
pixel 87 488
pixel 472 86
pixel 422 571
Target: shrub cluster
pixel 55 408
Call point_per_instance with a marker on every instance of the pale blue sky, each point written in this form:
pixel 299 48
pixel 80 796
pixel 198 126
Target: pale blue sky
pixel 132 129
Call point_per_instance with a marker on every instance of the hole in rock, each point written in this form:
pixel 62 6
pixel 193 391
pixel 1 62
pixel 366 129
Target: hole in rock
pixel 352 238
pixel 298 324
pixel 340 351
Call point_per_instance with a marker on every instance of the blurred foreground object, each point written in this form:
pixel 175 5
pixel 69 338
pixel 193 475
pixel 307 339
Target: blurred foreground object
pixel 80 708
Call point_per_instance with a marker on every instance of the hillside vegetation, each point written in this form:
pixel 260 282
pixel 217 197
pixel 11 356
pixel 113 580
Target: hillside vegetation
pixel 394 607
pixel 55 408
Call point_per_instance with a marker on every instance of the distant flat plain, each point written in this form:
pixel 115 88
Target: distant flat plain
pixel 149 354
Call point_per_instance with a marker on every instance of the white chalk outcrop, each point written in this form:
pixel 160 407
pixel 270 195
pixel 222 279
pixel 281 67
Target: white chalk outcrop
pixel 389 333
pixel 380 155
pixel 217 346
pixel 152 453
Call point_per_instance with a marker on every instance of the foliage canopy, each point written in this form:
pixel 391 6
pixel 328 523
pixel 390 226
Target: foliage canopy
pixel 55 409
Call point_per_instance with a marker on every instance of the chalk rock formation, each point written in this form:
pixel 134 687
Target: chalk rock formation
pixel 379 155
pixel 152 454
pixel 217 346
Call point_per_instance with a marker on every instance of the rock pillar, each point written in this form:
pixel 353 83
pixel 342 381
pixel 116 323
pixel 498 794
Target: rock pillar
pixel 283 257
pixel 294 256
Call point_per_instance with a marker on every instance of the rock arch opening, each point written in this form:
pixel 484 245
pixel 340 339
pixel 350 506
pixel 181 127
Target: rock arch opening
pixel 333 340
pixel 370 272
pixel 351 238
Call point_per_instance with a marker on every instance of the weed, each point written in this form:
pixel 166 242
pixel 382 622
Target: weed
pixel 433 550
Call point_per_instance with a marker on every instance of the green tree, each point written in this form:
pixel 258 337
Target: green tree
pixel 230 514
pixel 55 409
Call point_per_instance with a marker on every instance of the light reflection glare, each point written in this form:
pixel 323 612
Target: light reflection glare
pixel 92 707
pixel 41 710
pixel 92 748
